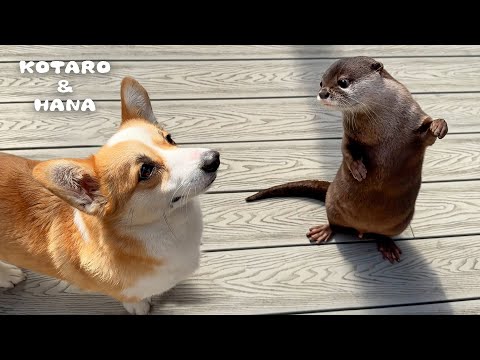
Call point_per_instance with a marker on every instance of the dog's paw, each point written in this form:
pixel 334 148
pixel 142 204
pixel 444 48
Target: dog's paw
pixel 358 170
pixel 140 308
pixel 10 275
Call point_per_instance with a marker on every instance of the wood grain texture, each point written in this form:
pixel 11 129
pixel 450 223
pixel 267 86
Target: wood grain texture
pixel 205 52
pixel 212 120
pixel 470 307
pixel 447 208
pixel 231 79
pixel 284 280
pixel 255 166
pixel 231 223
pixel 442 209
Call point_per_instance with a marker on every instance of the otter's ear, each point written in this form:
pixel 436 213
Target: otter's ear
pixel 377 66
pixel 135 101
pixel 74 181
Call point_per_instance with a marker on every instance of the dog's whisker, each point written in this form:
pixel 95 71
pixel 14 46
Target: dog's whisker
pixel 182 183
pixel 186 199
pixel 131 215
pixel 168 226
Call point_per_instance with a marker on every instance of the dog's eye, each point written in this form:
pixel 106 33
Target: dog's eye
pixel 321 84
pixel 169 139
pixel 146 172
pixel 343 83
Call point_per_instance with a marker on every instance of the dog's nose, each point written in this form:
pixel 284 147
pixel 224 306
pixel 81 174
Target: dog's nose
pixel 324 94
pixel 210 161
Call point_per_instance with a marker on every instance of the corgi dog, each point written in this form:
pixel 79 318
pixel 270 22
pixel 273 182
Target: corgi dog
pixel 125 222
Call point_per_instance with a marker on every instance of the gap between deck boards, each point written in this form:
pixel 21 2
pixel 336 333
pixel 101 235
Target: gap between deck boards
pixel 219 59
pixel 203 143
pixel 248 97
pixel 374 308
pixel 406 238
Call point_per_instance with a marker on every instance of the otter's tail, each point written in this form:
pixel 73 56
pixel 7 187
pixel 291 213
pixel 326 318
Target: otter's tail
pixel 314 189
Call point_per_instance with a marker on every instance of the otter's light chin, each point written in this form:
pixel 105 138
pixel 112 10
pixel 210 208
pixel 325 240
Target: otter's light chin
pixel 330 105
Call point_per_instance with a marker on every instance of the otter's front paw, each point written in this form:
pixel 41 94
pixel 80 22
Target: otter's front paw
pixel 358 170
pixel 439 128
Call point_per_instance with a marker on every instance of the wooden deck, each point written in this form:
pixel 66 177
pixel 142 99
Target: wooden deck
pixel 257 106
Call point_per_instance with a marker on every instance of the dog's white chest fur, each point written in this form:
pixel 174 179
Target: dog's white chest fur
pixel 176 243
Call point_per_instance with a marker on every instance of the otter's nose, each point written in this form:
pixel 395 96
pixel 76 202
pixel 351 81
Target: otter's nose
pixel 210 161
pixel 324 94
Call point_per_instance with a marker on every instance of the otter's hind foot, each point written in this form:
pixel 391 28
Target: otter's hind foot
pixel 319 234
pixel 389 249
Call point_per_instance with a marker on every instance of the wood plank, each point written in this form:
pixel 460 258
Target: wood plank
pixel 254 166
pixel 196 121
pixel 447 208
pixel 231 223
pixel 284 280
pixel 470 307
pixel 206 52
pixel 231 79
pixel 442 209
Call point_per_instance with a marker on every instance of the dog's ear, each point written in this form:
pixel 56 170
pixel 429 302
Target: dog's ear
pixel 74 181
pixel 135 101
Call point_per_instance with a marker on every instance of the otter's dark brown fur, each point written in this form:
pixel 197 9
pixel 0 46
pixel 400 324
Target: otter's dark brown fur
pixel 385 137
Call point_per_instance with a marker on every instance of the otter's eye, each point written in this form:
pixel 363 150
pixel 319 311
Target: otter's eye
pixel 343 83
pixel 146 172
pixel 321 84
pixel 169 139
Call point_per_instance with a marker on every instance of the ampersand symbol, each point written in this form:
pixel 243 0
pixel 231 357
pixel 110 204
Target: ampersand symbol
pixel 63 87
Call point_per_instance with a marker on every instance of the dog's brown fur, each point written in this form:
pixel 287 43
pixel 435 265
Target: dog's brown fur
pixel 75 219
pixel 385 137
pixel 46 239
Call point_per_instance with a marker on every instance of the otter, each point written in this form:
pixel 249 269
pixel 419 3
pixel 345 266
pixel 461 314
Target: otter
pixel 385 137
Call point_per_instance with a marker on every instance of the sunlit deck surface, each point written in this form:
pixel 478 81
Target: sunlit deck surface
pixel 257 106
